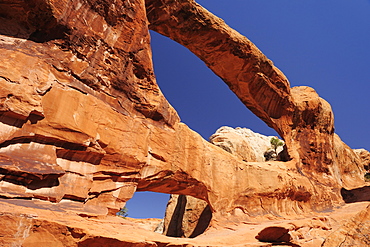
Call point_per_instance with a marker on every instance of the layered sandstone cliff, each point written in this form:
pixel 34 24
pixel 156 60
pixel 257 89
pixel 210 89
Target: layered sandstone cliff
pixel 84 125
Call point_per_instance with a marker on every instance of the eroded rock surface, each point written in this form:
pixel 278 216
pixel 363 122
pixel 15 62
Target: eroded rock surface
pixel 83 125
pixel 365 158
pixel 354 232
pixel 186 215
pixel 243 143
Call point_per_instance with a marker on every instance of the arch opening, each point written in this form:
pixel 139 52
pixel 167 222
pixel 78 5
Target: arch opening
pixel 172 215
pixel 206 104
pixel 203 101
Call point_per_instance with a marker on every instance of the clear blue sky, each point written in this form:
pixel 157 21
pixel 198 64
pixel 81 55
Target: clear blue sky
pixel 321 44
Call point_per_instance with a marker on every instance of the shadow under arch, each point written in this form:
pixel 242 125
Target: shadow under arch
pixel 33 20
pixel 188 212
pixel 361 194
pixel 182 216
pixel 188 217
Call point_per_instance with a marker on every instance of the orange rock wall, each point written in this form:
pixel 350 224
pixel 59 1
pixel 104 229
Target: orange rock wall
pixel 84 124
pixel 87 99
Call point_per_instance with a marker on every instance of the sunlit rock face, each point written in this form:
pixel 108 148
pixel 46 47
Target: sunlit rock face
pixel 351 233
pixel 84 125
pixel 245 144
pixel 365 158
pixel 187 216
pixel 77 85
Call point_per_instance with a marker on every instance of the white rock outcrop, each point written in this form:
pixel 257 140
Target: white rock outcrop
pixel 243 143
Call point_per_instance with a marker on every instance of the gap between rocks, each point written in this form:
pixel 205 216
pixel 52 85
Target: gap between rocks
pixel 181 216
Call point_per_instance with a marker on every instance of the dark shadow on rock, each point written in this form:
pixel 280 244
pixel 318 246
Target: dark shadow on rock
pixel 361 194
pixel 103 241
pixel 47 181
pixel 174 227
pixel 33 174
pixel 34 117
pixel 80 155
pixel 203 222
pixel 30 181
pixel 33 20
pixel 11 119
pixel 286 244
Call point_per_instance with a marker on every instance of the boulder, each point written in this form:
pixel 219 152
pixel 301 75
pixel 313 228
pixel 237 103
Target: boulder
pixel 275 234
pixel 186 216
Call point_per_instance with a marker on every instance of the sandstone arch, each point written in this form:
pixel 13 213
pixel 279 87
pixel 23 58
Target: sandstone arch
pixel 303 119
pixel 297 114
pixel 103 132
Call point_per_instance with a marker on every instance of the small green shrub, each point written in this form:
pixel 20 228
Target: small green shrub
pixel 275 143
pixel 123 212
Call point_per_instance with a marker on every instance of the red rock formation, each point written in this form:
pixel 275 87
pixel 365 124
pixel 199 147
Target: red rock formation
pixel 84 125
pixel 186 215
pixel 303 119
pixel 274 234
pixel 75 76
pixel 38 223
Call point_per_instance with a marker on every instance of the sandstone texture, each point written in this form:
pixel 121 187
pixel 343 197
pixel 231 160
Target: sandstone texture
pixel 365 158
pixel 83 125
pixel 40 223
pixel 243 143
pixel 355 232
pixel 186 216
